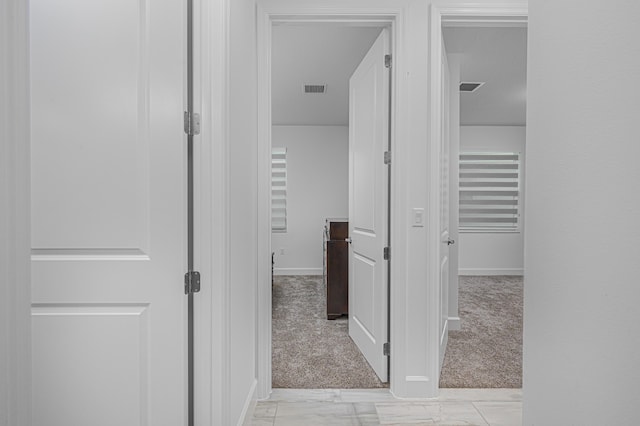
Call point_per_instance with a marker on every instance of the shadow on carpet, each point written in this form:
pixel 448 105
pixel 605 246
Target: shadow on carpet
pixel 309 351
pixel 487 351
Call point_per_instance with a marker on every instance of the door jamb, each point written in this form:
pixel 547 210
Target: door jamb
pixel 479 15
pixel 211 213
pixel 266 17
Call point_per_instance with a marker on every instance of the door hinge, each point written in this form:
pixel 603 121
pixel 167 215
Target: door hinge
pixel 387 157
pixel 191 282
pixel 386 253
pixel 386 349
pixel 191 123
pixel 387 61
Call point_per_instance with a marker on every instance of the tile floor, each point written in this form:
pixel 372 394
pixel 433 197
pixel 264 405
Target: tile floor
pixel 334 407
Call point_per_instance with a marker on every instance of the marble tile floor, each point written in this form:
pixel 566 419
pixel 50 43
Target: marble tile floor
pixel 368 407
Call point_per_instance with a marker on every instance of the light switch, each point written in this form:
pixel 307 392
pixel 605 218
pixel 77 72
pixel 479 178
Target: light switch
pixel 418 217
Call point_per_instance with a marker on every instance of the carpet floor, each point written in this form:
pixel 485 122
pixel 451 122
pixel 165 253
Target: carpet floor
pixel 487 351
pixel 309 351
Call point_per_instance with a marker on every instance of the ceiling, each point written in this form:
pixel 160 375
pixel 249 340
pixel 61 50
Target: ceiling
pixel 498 57
pixel 315 54
pixel 321 54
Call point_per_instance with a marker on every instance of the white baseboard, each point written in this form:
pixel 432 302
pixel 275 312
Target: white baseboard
pixel 454 323
pixel 490 271
pixel 297 271
pixel 249 406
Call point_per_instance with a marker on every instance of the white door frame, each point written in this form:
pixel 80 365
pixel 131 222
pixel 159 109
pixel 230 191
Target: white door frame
pixel 293 11
pixel 463 15
pixel 211 213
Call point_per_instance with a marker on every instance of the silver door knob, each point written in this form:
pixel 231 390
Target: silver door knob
pixel 348 239
pixel 450 241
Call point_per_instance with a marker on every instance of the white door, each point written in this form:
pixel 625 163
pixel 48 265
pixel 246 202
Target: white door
pixel 108 221
pixel 444 207
pixel 368 204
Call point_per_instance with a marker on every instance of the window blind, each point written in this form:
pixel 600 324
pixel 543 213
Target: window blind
pixel 489 191
pixel 279 189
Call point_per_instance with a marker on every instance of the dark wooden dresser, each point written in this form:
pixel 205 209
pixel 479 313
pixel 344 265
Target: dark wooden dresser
pixel 336 267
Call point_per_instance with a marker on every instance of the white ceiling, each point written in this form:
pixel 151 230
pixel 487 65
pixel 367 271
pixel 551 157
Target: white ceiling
pixel 315 54
pixel 497 56
pixel 321 54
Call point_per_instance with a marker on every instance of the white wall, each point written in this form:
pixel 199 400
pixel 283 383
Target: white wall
pixel 242 206
pixel 15 275
pixel 483 253
pixel 581 316
pixel 317 188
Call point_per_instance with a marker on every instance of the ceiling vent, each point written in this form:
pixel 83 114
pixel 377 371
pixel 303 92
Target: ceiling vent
pixel 467 86
pixel 315 88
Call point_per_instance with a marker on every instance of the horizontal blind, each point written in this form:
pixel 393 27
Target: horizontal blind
pixel 279 189
pixel 489 191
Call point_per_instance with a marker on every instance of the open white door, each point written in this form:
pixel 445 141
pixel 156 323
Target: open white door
pixel 108 203
pixel 444 207
pixel 368 205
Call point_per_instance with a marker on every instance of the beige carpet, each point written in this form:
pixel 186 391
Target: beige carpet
pixel 309 351
pixel 487 351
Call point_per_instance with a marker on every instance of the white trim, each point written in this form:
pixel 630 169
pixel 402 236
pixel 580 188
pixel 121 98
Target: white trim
pixel 249 406
pixel 15 217
pixel 480 23
pixel 482 14
pixel 433 199
pixel 490 271
pixel 454 323
pixel 477 13
pixel 334 12
pixel 263 302
pixel 91 255
pixel 297 271
pixel 212 333
pixel 425 379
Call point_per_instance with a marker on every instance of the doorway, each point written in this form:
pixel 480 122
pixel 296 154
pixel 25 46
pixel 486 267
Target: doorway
pixel 328 88
pixel 488 96
pixel 370 32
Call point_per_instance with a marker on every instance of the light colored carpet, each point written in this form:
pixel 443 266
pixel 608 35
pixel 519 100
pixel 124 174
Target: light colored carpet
pixel 309 351
pixel 487 351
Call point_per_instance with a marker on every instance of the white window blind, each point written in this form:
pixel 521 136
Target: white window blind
pixel 489 191
pixel 279 189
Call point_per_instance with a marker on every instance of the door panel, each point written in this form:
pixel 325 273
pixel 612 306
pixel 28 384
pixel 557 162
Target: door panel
pixel 363 293
pixel 108 222
pixel 444 208
pixel 80 352
pixel 368 204
pixel 90 85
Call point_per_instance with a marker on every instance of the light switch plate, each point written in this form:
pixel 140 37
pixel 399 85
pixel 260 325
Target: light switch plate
pixel 417 218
